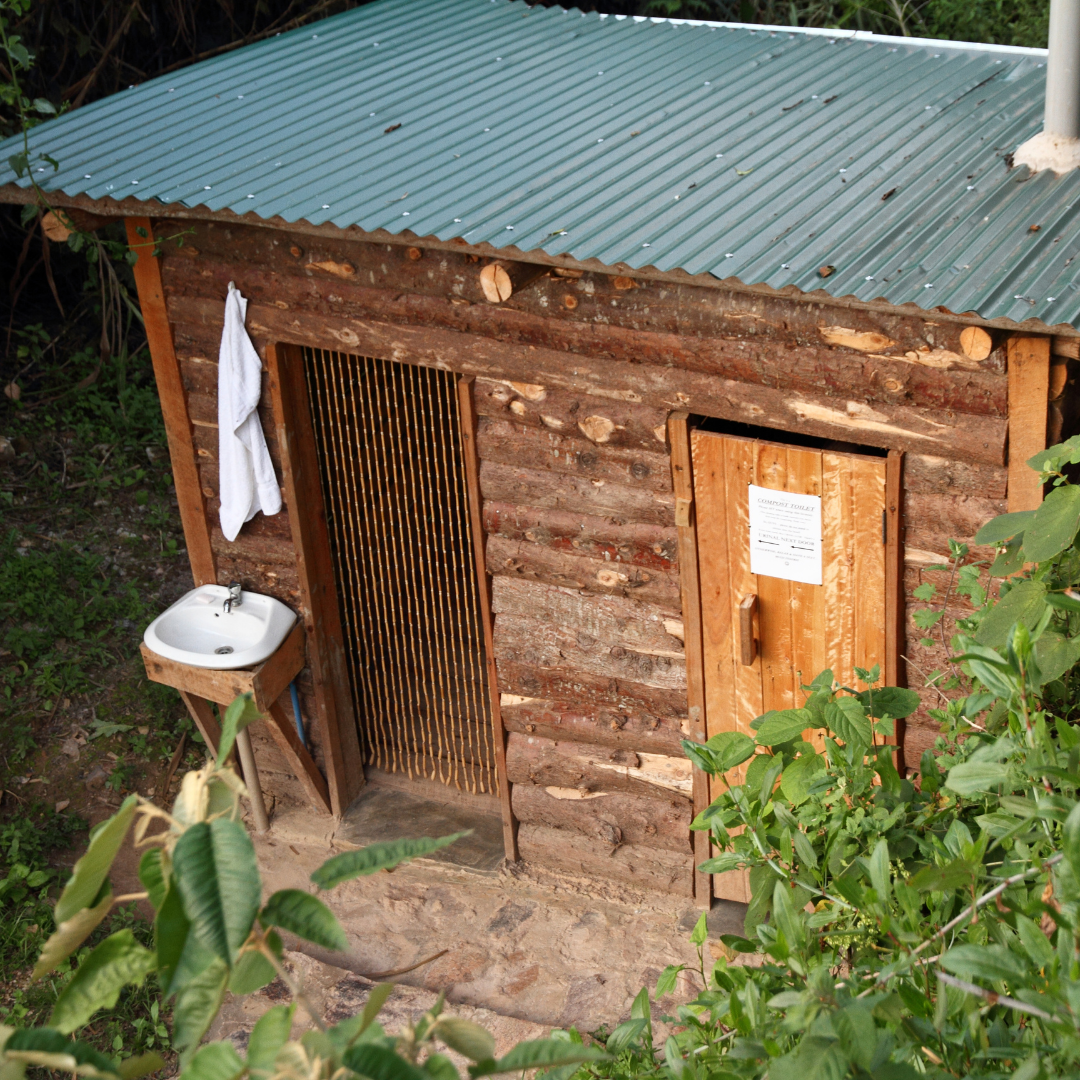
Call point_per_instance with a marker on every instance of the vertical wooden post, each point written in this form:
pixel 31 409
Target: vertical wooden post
pixel 1029 391
pixel 174 409
pixel 467 413
pixel 895 673
pixel 683 482
pixel 334 713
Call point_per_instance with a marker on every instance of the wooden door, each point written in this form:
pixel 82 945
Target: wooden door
pixel 801 628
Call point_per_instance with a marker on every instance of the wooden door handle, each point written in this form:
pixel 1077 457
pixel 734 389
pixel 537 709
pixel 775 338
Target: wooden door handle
pixel 747 640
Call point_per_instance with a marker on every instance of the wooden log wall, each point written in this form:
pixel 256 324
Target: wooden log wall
pixel 575 379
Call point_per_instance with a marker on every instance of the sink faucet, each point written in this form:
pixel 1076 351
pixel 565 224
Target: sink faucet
pixel 233 599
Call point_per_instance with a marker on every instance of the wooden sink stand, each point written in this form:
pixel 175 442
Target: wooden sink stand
pixel 266 683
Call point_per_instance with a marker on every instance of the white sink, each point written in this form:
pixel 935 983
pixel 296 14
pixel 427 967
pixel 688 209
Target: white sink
pixel 198 630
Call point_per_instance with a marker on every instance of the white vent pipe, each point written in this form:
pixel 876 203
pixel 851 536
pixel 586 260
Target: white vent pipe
pixel 1057 146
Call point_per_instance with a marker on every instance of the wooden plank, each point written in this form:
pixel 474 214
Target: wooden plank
pixel 1029 388
pixel 893 666
pixel 282 729
pixel 923 429
pixel 533 760
pixel 566 851
pixel 208 683
pixel 720 494
pixel 204 718
pixel 467 415
pixel 334 718
pixel 613 816
pixel 807 606
pixel 189 497
pixel 271 678
pixel 869 521
pixel 528 561
pixel 774 595
pixel 682 473
pixel 578 722
pixel 511 443
pixel 609 619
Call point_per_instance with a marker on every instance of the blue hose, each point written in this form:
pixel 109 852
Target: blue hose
pixel 296 713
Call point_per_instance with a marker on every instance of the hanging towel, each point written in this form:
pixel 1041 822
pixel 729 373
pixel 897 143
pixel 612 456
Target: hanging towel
pixel 247 481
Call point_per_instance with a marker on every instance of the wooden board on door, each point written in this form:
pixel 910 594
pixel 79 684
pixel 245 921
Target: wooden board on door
pixel 801 629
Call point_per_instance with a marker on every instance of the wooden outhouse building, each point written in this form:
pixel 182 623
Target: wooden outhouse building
pixel 564 320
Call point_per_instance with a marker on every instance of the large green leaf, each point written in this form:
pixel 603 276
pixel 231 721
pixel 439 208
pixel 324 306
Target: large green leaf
pixel 783 726
pixel 215 1061
pixel 813 1059
pixel 1025 603
pixel 878 866
pixel 196 1005
pixel 799 775
pixel 152 876
pixel 252 971
pixel 375 857
pixel 1055 654
pixel 974 777
pixel 858 1033
pixel 959 874
pixel 92 869
pixel 1070 834
pixel 133 1068
pixel 1055 524
pixel 306 916
pixel 538 1054
pixel 892 701
pixel 379 1062
pixel 118 961
pixel 468 1039
pixel 730 748
pixel 1004 527
pixel 847 717
pixel 180 954
pixel 50 1049
pixel 69 935
pixel 237 716
pixel 215 869
pixel 270 1034
pixel 984 962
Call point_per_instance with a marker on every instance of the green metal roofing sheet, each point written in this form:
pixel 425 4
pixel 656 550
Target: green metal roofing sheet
pixel 761 154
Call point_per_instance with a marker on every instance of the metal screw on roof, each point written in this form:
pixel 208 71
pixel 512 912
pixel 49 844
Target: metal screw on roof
pixel 928 286
pixel 86 176
pixel 730 255
pixel 172 90
pixel 599 140
pixel 498 57
pixel 509 228
pixel 458 220
pixel 929 106
pixel 599 73
pixel 869 277
pixel 935 56
pixel 487 129
pixel 813 97
pixel 719 155
pixel 404 213
pixel 206 187
pixel 133 181
pixel 785 266
pixel 240 96
pixel 708 84
pixel 843 170
pixel 371 114
pixel 1051 299
pixel 251 196
pixel 646 245
pixel 971 187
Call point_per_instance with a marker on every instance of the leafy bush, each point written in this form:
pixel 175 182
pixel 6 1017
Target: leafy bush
pixel 213 932
pixel 902 928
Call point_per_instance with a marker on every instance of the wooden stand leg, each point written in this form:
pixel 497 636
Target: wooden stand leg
pixel 251 781
pixel 205 721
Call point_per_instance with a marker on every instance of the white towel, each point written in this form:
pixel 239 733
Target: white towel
pixel 247 481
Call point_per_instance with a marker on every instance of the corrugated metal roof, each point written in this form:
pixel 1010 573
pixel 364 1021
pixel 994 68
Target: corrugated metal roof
pixel 757 154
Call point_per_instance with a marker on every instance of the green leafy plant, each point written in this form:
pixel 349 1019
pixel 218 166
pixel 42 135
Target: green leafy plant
pixel 212 932
pixel 907 927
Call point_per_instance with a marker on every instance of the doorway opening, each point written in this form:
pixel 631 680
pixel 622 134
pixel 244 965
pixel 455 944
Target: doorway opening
pixel 388 442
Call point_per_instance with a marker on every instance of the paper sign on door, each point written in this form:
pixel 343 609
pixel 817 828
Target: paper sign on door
pixel 785 535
